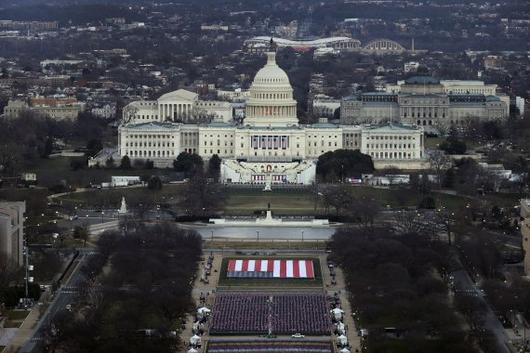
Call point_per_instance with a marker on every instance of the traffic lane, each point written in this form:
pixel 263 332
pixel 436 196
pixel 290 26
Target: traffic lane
pixel 60 302
pixel 463 282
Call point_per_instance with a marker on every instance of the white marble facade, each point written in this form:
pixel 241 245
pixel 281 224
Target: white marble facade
pixel 270 146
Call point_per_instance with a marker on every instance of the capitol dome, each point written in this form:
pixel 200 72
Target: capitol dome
pixel 271 100
pixel 271 74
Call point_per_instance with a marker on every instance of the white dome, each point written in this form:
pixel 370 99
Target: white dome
pixel 271 100
pixel 271 74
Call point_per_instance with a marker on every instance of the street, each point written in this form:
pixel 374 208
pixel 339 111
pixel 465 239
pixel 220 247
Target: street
pixel 463 283
pixel 64 296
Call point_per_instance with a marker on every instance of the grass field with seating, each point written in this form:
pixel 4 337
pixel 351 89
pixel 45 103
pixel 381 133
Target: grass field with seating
pixel 251 313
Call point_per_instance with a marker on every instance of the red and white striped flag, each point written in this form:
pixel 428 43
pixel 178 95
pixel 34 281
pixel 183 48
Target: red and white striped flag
pixel 264 268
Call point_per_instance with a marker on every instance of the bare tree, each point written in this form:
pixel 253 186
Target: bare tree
pixel 364 210
pixel 315 191
pixel 201 197
pixel 10 159
pixel 129 113
pixel 338 197
pixel 439 163
pixel 408 222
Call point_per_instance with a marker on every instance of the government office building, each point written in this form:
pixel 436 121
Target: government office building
pixel 425 101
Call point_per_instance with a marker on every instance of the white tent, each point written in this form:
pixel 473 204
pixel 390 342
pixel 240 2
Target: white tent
pixel 337 313
pixel 204 311
pixel 197 325
pixel 343 350
pixel 195 340
pixel 341 326
pixel 342 340
pixel 193 350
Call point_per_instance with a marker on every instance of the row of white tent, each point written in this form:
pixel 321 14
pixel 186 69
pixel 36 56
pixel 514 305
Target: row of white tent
pixel 195 340
pixel 342 340
pixel 337 313
pixel 203 312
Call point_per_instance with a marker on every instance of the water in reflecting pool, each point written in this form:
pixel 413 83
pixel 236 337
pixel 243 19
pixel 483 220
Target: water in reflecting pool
pixel 290 233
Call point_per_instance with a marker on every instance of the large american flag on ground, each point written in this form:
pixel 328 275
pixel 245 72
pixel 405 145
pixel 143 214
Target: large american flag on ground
pixel 264 268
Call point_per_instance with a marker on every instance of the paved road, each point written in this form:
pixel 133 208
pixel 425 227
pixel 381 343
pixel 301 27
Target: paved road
pixel 83 217
pixel 64 296
pixel 463 283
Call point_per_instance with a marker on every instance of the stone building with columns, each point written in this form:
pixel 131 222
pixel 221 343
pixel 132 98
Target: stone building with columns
pixel 269 146
pixel 177 106
pixel 425 101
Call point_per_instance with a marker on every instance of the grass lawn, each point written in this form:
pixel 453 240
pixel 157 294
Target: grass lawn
pixel 283 202
pixel 316 282
pixel 433 142
pixel 15 318
pixel 398 197
pixel 112 197
pixel 53 170
pixel 243 202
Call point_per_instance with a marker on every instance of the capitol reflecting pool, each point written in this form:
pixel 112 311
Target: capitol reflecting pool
pixel 264 233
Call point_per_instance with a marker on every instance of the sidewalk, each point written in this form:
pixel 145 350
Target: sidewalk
pixel 354 340
pixel 198 288
pixel 25 331
pixel 38 312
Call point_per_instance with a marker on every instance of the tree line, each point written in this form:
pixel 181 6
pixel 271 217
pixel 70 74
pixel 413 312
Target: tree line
pixel 400 281
pixel 139 302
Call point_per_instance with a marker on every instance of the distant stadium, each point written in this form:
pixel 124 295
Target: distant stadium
pixel 331 42
pixel 257 44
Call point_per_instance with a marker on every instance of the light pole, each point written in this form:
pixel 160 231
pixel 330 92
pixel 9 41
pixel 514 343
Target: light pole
pixel 212 235
pixel 26 262
pixel 257 235
pixel 302 236
pixel 27 278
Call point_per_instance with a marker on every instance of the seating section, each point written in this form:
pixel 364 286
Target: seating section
pixel 284 314
pixel 235 313
pixel 256 346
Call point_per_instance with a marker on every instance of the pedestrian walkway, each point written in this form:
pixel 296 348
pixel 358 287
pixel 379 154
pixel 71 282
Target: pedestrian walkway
pixel 354 339
pixel 25 331
pixel 206 289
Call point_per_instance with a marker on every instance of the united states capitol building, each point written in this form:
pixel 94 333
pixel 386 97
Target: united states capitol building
pixel 270 146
